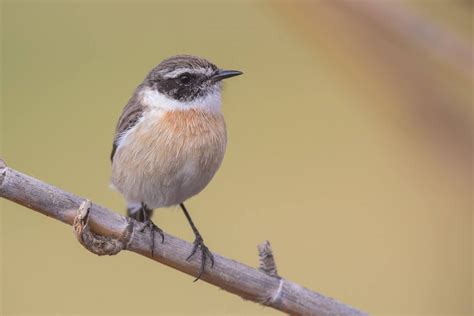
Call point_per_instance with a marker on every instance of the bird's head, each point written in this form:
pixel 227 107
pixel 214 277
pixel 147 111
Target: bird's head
pixel 186 81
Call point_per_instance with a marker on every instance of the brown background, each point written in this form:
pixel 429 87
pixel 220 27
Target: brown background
pixel 350 150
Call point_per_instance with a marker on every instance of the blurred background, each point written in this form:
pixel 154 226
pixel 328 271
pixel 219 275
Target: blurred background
pixel 350 149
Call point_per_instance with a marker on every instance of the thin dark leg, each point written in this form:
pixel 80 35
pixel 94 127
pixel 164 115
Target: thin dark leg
pixel 146 212
pixel 198 243
pixel 139 215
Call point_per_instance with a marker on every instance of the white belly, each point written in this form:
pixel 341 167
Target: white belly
pixel 167 158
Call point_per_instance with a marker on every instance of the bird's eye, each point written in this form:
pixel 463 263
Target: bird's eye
pixel 185 79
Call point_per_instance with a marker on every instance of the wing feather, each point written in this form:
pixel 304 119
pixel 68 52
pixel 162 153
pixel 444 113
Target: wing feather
pixel 131 113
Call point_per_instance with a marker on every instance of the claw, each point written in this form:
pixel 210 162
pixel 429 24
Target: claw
pixel 153 228
pixel 205 253
pixel 146 213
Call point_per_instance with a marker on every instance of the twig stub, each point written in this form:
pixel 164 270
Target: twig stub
pixel 97 244
pixel 267 261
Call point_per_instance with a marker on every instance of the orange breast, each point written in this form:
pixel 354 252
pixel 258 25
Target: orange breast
pixel 169 156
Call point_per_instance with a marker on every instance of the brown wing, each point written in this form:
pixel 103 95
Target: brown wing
pixel 130 116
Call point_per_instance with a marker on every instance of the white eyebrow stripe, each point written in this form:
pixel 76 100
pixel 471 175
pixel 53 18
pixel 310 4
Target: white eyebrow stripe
pixel 175 73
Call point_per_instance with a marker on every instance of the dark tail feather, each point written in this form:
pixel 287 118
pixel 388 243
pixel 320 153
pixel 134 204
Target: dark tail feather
pixel 140 213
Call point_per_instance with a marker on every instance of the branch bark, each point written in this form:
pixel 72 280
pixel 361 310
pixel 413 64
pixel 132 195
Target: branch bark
pixel 261 286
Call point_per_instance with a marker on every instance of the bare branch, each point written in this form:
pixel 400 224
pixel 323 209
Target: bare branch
pixel 249 283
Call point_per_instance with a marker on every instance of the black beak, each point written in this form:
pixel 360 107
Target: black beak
pixel 223 74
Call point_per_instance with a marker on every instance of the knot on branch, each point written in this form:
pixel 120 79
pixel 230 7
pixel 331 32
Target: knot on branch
pixel 97 244
pixel 268 266
pixel 267 261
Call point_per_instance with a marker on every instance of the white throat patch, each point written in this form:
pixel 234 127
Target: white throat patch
pixel 156 100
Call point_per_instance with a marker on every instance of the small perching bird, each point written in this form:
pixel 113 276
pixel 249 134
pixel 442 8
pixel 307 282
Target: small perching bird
pixel 170 140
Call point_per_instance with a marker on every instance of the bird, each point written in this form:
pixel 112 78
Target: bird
pixel 170 141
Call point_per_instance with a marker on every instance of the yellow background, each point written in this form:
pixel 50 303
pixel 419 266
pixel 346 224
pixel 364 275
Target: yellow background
pixel 349 149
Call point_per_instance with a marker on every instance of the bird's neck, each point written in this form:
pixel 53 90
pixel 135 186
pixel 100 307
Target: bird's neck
pixel 157 100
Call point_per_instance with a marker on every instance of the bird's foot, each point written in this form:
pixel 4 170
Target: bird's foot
pixel 205 254
pixel 153 228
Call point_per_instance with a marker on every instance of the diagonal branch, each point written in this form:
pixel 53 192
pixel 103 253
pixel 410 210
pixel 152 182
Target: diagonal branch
pixel 249 283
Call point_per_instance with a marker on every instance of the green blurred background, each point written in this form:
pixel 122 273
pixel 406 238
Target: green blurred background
pixel 350 149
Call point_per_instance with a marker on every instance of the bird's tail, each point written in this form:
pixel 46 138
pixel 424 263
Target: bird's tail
pixel 139 212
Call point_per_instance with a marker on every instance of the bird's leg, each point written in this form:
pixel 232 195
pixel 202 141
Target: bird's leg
pixel 147 222
pixel 198 243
